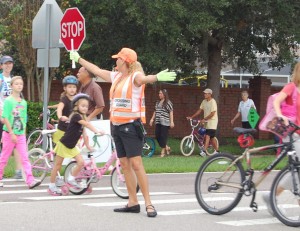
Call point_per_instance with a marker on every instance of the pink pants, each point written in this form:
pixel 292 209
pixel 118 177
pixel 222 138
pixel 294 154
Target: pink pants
pixel 7 149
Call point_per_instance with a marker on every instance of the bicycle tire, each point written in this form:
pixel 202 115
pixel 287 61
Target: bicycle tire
pixel 210 149
pixel 286 205
pixel 35 139
pixel 79 179
pixel 118 185
pixel 149 147
pixel 187 145
pixel 214 198
pixel 38 163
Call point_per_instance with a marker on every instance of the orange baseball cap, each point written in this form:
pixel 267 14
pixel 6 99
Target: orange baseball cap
pixel 127 54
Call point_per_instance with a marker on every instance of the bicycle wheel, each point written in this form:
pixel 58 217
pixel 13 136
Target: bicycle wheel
pixel 285 197
pixel 210 149
pixel 38 163
pixel 35 139
pixel 149 147
pixel 212 195
pixel 118 184
pixel 187 145
pixel 81 179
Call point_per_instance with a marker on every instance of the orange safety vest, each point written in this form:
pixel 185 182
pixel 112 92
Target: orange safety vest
pixel 122 97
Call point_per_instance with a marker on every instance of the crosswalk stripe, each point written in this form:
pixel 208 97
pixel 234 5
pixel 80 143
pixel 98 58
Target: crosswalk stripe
pixel 264 221
pixel 88 196
pixel 106 204
pixel 36 190
pixel 190 200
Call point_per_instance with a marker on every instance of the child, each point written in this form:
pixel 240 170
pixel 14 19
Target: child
pixel 14 117
pixel 64 109
pixel 66 146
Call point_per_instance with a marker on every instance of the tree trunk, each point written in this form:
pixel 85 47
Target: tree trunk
pixel 214 67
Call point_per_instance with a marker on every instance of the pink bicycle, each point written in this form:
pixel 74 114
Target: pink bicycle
pixel 92 174
pixel 187 144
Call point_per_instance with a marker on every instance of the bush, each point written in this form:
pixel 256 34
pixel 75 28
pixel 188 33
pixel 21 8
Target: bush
pixel 34 110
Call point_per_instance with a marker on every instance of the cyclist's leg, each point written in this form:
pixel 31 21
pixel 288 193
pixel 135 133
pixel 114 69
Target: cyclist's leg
pixel 57 166
pixel 79 166
pixel 211 133
pixel 206 141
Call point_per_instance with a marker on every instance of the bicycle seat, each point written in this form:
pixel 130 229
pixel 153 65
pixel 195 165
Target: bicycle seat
pixel 44 132
pixel 240 130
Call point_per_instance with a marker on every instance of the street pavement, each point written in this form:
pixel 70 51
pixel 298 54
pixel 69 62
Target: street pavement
pixel 172 195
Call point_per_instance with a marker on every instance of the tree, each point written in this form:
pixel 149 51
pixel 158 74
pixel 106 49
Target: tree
pixel 176 33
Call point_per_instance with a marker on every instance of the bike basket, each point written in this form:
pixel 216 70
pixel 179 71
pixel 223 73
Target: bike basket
pixel 245 140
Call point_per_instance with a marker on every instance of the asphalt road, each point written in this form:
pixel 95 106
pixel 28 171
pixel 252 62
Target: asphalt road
pixel 171 194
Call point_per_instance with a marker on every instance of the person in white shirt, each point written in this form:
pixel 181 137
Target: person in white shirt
pixel 243 110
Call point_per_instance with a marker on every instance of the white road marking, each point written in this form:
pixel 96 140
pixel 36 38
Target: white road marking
pixel 264 221
pixel 87 196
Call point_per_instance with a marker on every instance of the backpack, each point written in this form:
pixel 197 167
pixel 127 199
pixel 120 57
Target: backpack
pixel 271 123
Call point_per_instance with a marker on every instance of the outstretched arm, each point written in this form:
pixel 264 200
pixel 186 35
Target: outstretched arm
pixel 165 75
pixel 97 71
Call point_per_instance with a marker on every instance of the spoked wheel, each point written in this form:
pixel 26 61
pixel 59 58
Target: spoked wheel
pixel 285 197
pixel 187 145
pixel 118 184
pixel 212 194
pixel 149 147
pixel 35 139
pixel 210 149
pixel 38 163
pixel 81 179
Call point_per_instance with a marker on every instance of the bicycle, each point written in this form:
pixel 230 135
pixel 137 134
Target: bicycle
pixel 35 137
pixel 222 180
pixel 187 144
pixel 149 147
pixel 42 162
pixel 92 174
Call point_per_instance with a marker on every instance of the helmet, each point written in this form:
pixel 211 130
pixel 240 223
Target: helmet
pixel 78 97
pixel 70 79
pixel 201 131
pixel 245 140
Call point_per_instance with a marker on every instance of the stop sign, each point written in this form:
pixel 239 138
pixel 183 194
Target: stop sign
pixel 72 29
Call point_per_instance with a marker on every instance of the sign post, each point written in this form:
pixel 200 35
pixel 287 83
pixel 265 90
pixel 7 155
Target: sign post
pixel 72 30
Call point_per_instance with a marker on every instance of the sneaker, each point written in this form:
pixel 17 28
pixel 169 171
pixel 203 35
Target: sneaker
pixel 73 183
pixel 54 191
pixel 203 154
pixel 266 198
pixel 59 181
pixel 34 184
pixel 18 175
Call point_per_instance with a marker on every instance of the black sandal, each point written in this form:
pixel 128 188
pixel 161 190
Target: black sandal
pixel 153 213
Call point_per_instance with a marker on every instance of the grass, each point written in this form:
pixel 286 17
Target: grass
pixel 177 163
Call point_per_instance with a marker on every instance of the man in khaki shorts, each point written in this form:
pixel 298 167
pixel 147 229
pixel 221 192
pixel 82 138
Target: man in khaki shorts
pixel 210 110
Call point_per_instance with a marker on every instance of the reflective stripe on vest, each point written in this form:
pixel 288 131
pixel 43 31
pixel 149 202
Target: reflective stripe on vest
pixel 121 100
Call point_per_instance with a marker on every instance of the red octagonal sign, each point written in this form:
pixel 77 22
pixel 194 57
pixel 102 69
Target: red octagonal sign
pixel 72 29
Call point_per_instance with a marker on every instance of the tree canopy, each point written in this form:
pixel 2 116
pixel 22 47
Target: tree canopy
pixel 174 34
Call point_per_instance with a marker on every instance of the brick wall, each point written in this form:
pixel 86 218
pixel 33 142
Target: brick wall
pixel 186 100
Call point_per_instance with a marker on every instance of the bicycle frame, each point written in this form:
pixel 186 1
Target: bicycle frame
pixel 91 169
pixel 287 148
pixel 195 134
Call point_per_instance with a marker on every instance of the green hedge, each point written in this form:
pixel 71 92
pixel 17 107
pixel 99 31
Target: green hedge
pixel 34 110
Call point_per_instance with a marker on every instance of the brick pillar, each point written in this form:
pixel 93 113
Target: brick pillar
pixel 261 90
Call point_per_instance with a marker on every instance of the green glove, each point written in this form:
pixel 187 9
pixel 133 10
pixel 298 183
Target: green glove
pixel 166 75
pixel 74 56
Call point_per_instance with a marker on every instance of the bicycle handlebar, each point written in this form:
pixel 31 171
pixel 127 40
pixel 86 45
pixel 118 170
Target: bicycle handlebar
pixel 195 123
